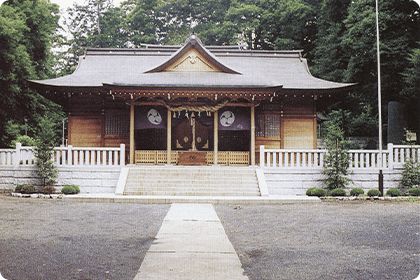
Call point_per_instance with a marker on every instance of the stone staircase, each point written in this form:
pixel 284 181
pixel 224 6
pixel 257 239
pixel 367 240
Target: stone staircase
pixel 192 181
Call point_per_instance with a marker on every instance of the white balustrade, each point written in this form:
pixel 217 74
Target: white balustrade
pixel 401 153
pixel 66 156
pixel 359 159
pixel 291 158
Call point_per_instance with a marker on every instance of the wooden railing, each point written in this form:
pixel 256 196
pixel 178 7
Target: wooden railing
pixel 154 157
pixel 66 156
pixel 392 158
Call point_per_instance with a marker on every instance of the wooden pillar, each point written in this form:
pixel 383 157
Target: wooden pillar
pixel 169 136
pixel 282 121
pixel 315 127
pixel 216 135
pixel 132 144
pixel 252 134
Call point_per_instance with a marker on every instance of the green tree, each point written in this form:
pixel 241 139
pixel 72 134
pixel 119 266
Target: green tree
pixel 411 91
pixel 336 161
pixel 44 153
pixel 399 24
pixel 270 24
pixel 143 22
pixel 411 77
pixel 89 26
pixel 26 31
pixel 329 58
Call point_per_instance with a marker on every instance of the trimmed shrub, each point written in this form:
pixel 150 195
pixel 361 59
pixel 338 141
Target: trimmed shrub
pixel 338 192
pixel 393 192
pixel 411 173
pixel 318 192
pixel 415 191
pixel 28 189
pixel 72 189
pixel 48 190
pixel 76 188
pixel 308 191
pixel 373 192
pixel 357 192
pixel 18 188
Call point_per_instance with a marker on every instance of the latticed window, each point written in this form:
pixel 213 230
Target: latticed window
pixel 117 123
pixel 269 125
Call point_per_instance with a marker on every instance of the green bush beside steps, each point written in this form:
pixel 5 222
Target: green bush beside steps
pixel 316 192
pixel 414 191
pixel 71 189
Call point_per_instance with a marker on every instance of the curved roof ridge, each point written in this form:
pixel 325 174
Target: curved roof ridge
pixel 193 42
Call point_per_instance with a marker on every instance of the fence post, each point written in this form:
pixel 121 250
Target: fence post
pixel 122 154
pixel 262 155
pixel 391 156
pixel 17 155
pixel 69 155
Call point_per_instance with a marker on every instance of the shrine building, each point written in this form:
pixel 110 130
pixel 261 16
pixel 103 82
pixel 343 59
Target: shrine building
pixel 191 104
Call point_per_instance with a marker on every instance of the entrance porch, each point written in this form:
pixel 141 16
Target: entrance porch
pixel 193 133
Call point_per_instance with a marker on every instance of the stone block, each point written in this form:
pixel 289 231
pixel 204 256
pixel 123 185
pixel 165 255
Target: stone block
pixel 32 181
pixel 7 173
pixel 7 180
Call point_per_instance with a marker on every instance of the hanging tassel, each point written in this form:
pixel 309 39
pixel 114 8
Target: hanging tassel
pixel 174 115
pixel 199 114
pixel 186 114
pixel 192 115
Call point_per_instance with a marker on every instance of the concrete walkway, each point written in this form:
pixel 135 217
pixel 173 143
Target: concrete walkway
pixel 191 244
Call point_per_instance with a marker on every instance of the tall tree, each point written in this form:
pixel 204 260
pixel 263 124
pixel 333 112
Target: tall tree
pixel 142 22
pixel 271 24
pixel 179 18
pixel 26 29
pixel 329 58
pixel 411 91
pixel 92 24
pixel 399 25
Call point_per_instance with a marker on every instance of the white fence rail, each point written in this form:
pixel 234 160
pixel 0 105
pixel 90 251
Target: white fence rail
pixel 66 156
pixel 392 158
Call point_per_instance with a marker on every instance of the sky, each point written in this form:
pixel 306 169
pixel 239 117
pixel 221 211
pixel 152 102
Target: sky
pixel 64 4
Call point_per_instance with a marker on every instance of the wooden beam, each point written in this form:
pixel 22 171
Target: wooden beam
pixel 132 144
pixel 281 129
pixel 216 136
pixel 168 136
pixel 315 127
pixel 252 135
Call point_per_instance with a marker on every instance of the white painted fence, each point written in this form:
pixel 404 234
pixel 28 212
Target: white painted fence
pixel 392 158
pixel 66 156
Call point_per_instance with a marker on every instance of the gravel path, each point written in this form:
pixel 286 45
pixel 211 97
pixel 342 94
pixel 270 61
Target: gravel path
pixel 59 239
pixel 54 239
pixel 329 240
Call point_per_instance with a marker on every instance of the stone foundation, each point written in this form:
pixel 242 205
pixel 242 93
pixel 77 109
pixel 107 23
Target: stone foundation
pixel 297 181
pixel 89 179
pixel 105 179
